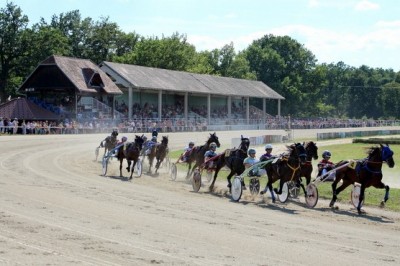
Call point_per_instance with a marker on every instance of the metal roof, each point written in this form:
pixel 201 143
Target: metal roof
pixel 24 109
pixel 177 81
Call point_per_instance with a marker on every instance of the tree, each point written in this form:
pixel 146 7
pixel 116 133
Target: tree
pixel 12 46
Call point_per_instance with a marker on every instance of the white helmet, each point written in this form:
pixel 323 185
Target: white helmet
pixel 268 146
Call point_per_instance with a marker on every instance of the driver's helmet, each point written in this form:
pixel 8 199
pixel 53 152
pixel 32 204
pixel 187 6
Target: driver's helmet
pixel 251 151
pixel 268 147
pixel 191 144
pixel 213 146
pixel 326 154
pixel 154 139
pixel 124 139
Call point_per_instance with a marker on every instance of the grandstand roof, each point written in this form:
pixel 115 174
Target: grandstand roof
pixel 177 81
pixel 81 75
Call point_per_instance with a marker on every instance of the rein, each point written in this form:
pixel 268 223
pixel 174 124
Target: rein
pixel 294 169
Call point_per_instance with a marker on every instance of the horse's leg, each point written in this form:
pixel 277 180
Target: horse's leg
pixel 133 167
pixel 129 166
pixel 336 191
pixel 269 186
pixel 360 199
pixel 189 166
pixel 214 178
pixel 229 177
pixel 381 185
pixel 120 167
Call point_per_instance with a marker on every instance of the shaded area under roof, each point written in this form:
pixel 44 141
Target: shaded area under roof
pixel 178 81
pixel 22 108
pixel 80 75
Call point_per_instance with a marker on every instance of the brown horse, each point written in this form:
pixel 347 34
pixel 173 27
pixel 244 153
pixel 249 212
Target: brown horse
pixel 286 168
pixel 158 152
pixel 131 152
pixel 108 143
pixel 367 172
pixel 306 167
pixel 233 159
pixel 197 154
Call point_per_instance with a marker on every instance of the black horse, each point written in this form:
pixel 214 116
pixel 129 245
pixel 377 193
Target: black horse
pixel 131 152
pixel 367 172
pixel 108 143
pixel 158 152
pixel 286 168
pixel 197 154
pixel 311 153
pixel 233 159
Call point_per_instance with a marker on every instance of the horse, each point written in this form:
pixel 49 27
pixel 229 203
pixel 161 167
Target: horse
pixel 131 152
pixel 311 153
pixel 286 168
pixel 108 143
pixel 367 172
pixel 233 159
pixel 159 152
pixel 197 154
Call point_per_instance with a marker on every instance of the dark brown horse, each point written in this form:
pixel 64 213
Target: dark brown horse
pixel 286 168
pixel 233 159
pixel 108 143
pixel 197 154
pixel 131 152
pixel 158 152
pixel 367 172
pixel 306 167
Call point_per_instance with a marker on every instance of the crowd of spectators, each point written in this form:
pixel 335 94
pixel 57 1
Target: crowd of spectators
pixel 71 126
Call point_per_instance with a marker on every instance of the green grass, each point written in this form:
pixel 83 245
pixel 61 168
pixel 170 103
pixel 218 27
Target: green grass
pixel 340 152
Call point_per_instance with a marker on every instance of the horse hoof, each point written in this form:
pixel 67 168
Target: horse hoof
pixel 382 204
pixel 127 169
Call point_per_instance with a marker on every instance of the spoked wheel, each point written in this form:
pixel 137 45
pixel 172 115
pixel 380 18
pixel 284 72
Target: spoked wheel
pixel 283 197
pixel 355 195
pixel 139 168
pixel 104 164
pixel 254 186
pixel 236 188
pixel 173 171
pixel 196 180
pixel 312 195
pixel 294 190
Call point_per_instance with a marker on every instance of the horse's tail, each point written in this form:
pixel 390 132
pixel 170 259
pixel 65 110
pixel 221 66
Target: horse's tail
pixel 102 144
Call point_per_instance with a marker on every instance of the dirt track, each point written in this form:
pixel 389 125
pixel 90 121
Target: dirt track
pixel 57 209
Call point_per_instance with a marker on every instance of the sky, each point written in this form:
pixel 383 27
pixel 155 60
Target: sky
pixel 356 32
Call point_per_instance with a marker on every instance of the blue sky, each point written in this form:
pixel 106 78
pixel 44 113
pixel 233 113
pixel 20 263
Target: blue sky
pixel 357 32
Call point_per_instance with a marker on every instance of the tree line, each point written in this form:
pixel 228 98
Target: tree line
pixel 311 89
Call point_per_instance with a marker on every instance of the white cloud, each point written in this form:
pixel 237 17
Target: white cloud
pixel 366 5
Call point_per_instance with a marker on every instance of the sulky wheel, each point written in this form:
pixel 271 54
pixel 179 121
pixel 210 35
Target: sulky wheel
pixel 312 195
pixel 283 197
pixel 104 164
pixel 254 186
pixel 196 180
pixel 139 168
pixel 173 171
pixel 236 188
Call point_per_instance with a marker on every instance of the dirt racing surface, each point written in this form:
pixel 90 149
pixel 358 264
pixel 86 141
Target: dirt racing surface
pixel 57 209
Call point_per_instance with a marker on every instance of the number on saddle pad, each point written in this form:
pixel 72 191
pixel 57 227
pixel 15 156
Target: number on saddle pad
pixel 352 164
pixel 227 152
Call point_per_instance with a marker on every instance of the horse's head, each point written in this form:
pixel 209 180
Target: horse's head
pixel 298 151
pixel 114 134
pixel 213 138
pixel 245 143
pixel 311 150
pixel 164 140
pixel 139 140
pixel 387 155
